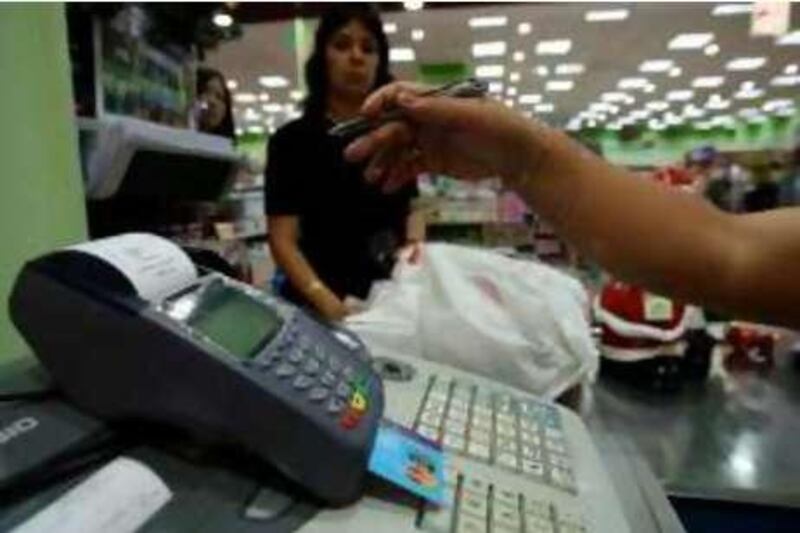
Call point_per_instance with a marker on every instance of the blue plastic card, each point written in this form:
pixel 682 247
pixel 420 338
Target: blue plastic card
pixel 409 461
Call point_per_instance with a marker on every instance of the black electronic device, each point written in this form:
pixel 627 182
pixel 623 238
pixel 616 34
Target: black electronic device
pixel 203 353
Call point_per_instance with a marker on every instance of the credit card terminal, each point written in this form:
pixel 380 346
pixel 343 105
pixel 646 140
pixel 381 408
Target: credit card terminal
pixel 129 330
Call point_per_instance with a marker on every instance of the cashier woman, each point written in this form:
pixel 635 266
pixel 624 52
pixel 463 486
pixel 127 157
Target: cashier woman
pixel 673 243
pixel 331 232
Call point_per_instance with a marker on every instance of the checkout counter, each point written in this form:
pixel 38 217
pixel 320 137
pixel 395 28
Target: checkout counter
pixel 579 482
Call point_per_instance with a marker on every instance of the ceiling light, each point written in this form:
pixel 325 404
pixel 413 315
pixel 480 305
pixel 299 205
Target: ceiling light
pixel 792 38
pixel 488 22
pixel 514 77
pixel 716 103
pixel 490 71
pixel 603 107
pixel 272 108
pixel 528 99
pixel 417 34
pixel 691 111
pixel 656 125
pixel 244 98
pixel 232 85
pixel 519 56
pixel 413 5
pixel 296 95
pixel 289 108
pixel 680 96
pixel 633 83
pixel 708 82
pixel 749 112
pixel 748 85
pixel 402 55
pixel 559 85
pixel 542 71
pixel 511 91
pixel 263 97
pixel 786 81
pixel 639 114
pixel 674 72
pixel 649 88
pixel 614 126
pixel 573 125
pixel 524 28
pixel 567 69
pixel 544 108
pixel 223 20
pixel 656 65
pixel 690 41
pixel 711 50
pixel 757 119
pixel 615 97
pixel 490 49
pixel 592 124
pixel 749 94
pixel 389 27
pixel 746 63
pixel 553 47
pixel 777 104
pixel 606 15
pixel 723 120
pixel 257 130
pixel 273 82
pixel 724 10
pixel 658 105
pixel 790 69
pixel 509 102
pixel 239 132
pixel 495 87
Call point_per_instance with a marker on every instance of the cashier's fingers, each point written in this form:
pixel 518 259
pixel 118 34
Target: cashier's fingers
pixel 386 97
pixel 407 166
pixel 393 135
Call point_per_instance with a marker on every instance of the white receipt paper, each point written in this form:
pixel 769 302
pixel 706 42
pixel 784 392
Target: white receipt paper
pixel 120 497
pixel 154 265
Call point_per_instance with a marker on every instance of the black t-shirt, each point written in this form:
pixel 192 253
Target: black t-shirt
pixel 349 229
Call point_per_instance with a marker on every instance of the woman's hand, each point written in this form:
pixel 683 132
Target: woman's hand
pixel 465 138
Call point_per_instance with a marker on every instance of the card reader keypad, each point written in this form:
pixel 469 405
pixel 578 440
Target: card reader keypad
pixel 520 435
pixel 476 505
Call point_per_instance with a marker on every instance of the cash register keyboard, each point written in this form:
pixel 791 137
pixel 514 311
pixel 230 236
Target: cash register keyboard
pixel 518 435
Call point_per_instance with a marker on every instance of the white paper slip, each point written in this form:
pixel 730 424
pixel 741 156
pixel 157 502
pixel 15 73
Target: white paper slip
pixel 120 497
pixel 154 265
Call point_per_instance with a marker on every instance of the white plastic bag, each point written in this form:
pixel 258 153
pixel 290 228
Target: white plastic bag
pixel 518 322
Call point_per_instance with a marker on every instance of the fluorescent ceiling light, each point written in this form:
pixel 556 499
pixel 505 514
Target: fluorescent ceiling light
pixel 748 85
pixel 519 56
pixel 777 104
pixel 656 65
pixel 402 55
pixel 417 34
pixel 606 15
pixel 524 28
pixel 239 132
pixel 717 104
pixel 413 5
pixel 223 20
pixel 509 102
pixel 790 69
pixel 649 88
pixel 296 95
pixel 544 108
pixel 615 97
pixel 656 125
pixel 555 47
pixel 263 97
pixel 528 99
pixel 746 63
pixel 658 105
pixel 639 114
pixel 724 10
pixel 389 27
pixel 708 82
pixel 257 130
pixel 792 38
pixel 542 71
pixel 233 84
pixel 633 83
pixel 272 108
pixel 490 49
pixel 567 69
pixel 273 82
pixel 786 81
pixel 674 72
pixel 514 77
pixel 690 111
pixel 614 126
pixel 495 87
pixel 603 107
pixel 690 41
pixel 244 98
pixel 680 96
pixel 511 91
pixel 711 50
pixel 488 22
pixel 490 71
pixel 749 94
pixel 559 85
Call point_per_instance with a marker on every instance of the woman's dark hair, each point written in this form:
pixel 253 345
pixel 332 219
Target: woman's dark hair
pixel 204 76
pixel 316 70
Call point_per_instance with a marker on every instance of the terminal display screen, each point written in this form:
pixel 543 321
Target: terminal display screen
pixel 234 320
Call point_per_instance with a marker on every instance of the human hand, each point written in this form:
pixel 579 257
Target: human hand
pixel 464 138
pixel 331 307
